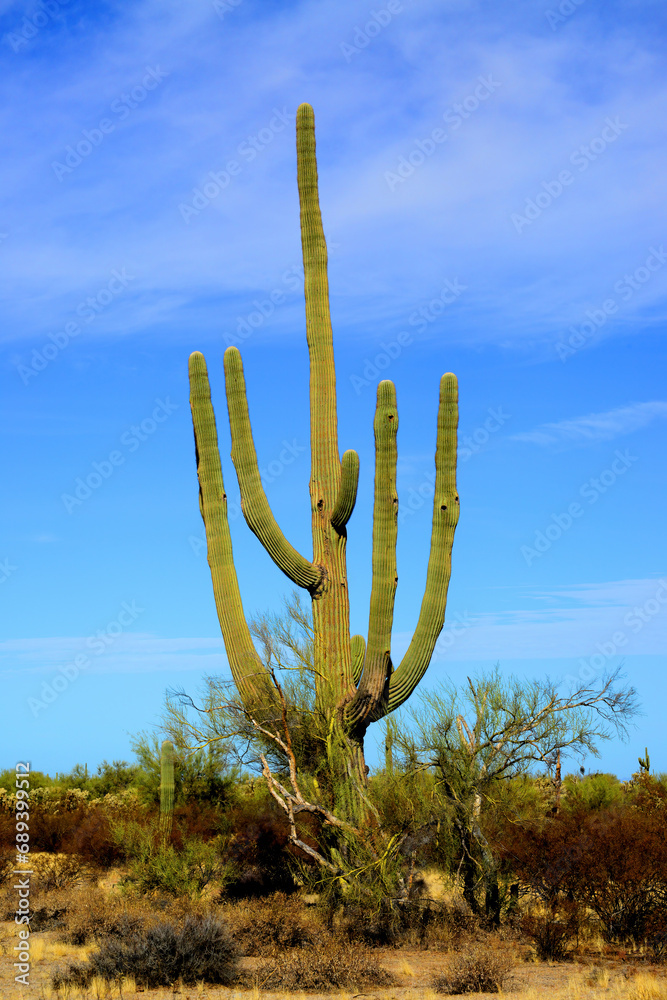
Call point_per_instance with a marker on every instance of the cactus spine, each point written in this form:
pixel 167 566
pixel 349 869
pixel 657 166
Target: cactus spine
pixel 166 790
pixel 356 680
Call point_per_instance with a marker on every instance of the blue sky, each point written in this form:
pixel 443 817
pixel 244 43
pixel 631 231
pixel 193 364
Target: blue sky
pixel 492 189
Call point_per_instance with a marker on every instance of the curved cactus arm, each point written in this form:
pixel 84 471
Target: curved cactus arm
pixel 255 506
pixel 347 494
pixel 358 650
pixel 249 673
pixel 414 664
pixel 377 665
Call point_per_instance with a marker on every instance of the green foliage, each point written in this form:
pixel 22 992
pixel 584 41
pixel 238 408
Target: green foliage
pixel 592 792
pixel 204 776
pixel 109 779
pixel 156 867
pixel 37 780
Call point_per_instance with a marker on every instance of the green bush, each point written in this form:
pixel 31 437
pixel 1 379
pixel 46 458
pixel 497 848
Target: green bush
pixel 185 872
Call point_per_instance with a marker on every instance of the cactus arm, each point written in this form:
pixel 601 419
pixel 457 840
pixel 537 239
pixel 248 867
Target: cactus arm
pixel 358 650
pixel 255 506
pixel 248 671
pixel 414 664
pixel 377 665
pixel 347 494
pixel 331 607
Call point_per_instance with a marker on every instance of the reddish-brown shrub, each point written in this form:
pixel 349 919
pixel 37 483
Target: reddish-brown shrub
pixel 93 840
pixel 257 847
pixel 613 861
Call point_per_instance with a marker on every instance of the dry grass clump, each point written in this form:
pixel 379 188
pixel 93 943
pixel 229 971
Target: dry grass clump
pixel 332 966
pixel 93 914
pixel 481 970
pixel 198 948
pixel 278 922
pixel 645 986
pixel 597 977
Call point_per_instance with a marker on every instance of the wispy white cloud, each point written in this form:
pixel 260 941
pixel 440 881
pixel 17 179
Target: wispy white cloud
pixel 129 652
pixel 451 217
pixel 574 620
pixel 596 426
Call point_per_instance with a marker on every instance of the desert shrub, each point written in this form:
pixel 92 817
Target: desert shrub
pixel 334 966
pixel 197 820
pixel 482 970
pixel 552 930
pixel 612 861
pixel 92 839
pixel 200 948
pixel 160 868
pixel 416 922
pixel 591 793
pixel 59 871
pixel 48 910
pixel 94 914
pixel 51 825
pixel 7 863
pixel 262 926
pixel 258 849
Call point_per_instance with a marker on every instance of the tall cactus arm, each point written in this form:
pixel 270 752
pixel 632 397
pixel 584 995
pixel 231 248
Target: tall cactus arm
pixel 414 664
pixel 249 673
pixel 377 665
pixel 358 650
pixel 323 416
pixel 331 605
pixel 347 494
pixel 255 506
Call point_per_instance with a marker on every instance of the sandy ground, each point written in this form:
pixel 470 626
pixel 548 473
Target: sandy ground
pixel 414 971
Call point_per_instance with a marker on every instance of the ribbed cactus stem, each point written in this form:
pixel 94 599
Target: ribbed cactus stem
pixel 166 790
pixel 377 664
pixel 347 495
pixel 414 664
pixel 358 650
pixel 331 608
pixel 255 506
pixel 248 671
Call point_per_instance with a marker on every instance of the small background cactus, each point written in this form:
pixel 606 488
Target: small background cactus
pixel 166 790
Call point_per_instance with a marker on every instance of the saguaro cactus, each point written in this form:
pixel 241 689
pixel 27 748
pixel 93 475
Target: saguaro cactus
pixel 357 682
pixel 166 790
